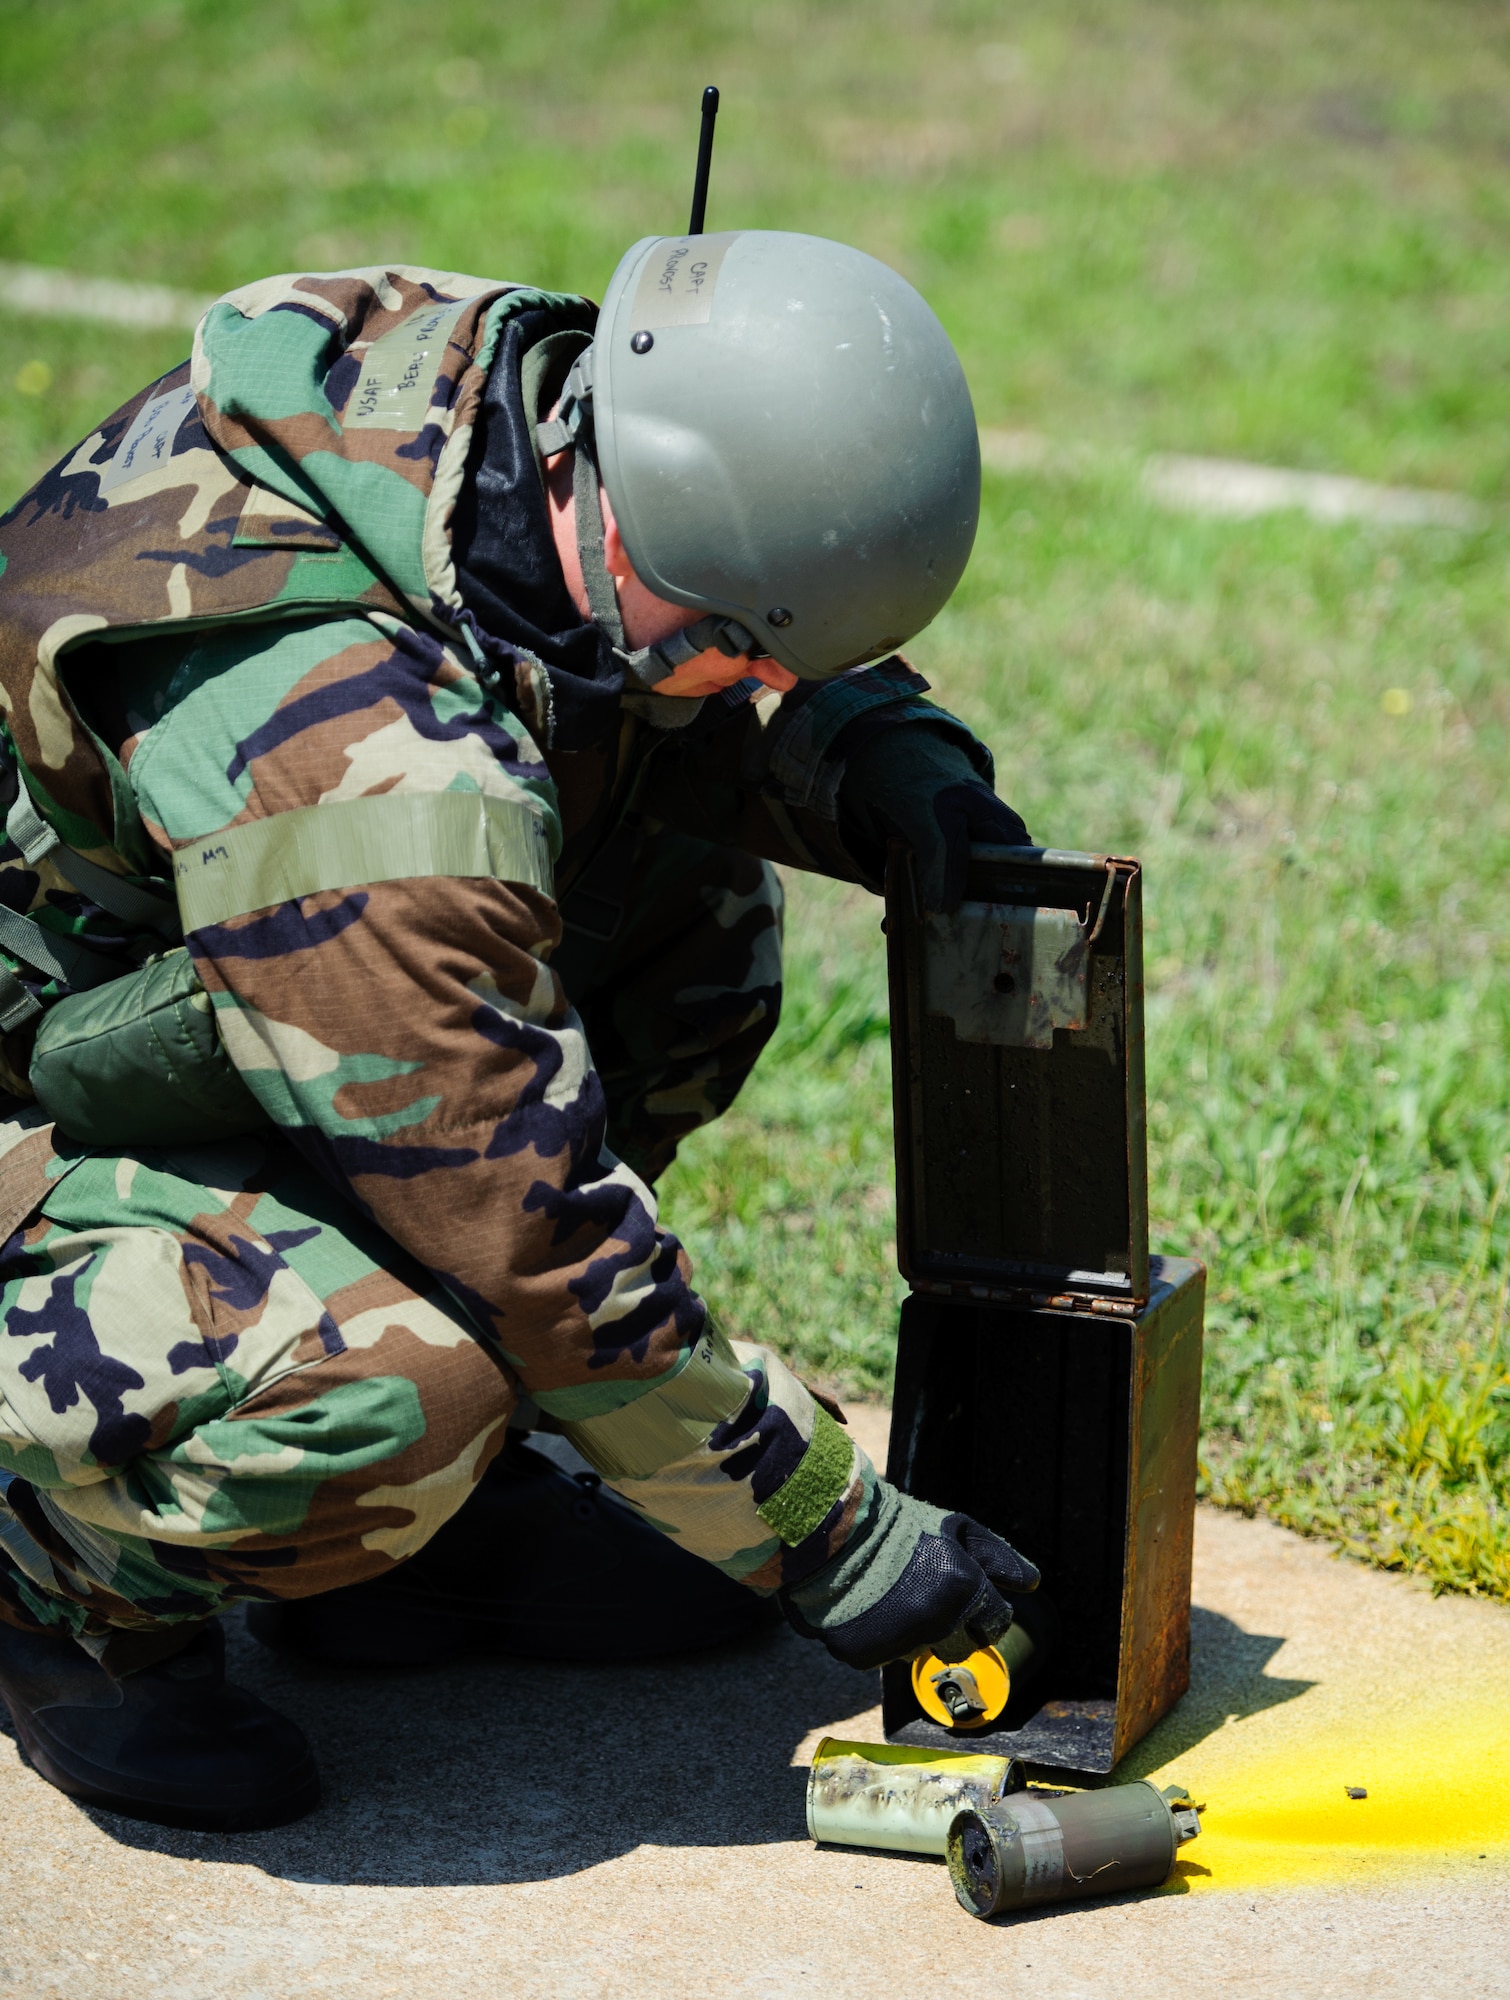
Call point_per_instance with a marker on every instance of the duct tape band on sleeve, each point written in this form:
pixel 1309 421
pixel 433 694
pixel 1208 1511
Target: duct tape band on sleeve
pixel 349 843
pixel 669 1422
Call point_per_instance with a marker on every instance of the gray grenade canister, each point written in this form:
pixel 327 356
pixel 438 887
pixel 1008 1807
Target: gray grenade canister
pixel 1027 1850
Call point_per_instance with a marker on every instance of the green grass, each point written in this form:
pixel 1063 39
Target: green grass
pixel 1327 941
pixel 1279 230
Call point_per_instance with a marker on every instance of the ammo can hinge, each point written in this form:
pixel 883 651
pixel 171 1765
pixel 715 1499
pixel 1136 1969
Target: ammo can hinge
pixel 1081 1302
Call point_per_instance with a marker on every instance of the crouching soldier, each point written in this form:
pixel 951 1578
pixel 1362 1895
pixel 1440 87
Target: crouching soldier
pixel 405 702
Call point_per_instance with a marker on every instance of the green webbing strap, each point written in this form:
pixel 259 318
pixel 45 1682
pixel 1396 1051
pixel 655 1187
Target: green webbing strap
pixel 349 843
pixel 17 1006
pixel 37 840
pixel 59 957
pixel 602 598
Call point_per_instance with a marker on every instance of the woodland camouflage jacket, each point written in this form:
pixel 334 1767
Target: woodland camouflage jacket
pixel 276 518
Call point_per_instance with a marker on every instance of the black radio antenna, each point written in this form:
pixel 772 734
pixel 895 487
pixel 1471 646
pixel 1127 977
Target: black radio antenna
pixel 704 162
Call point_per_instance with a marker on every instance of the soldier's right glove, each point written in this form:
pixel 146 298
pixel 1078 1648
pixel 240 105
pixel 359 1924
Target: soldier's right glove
pixel 921 784
pixel 911 1579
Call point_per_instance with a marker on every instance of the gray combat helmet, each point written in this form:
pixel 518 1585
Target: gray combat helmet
pixel 787 442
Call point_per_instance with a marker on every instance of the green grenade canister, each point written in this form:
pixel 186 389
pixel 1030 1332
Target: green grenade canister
pixel 1025 1849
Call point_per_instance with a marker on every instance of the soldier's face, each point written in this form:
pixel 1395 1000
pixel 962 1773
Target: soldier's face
pixel 713 670
pixel 647 618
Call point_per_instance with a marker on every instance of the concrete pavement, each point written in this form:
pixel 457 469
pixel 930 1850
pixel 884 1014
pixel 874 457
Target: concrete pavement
pixel 499 1829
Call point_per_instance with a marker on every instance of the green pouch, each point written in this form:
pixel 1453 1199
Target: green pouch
pixel 138 1062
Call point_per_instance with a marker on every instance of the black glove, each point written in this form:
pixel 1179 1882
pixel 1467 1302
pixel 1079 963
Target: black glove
pixel 910 1580
pixel 913 782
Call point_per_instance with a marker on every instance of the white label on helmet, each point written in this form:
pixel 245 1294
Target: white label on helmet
pixel 399 370
pixel 679 279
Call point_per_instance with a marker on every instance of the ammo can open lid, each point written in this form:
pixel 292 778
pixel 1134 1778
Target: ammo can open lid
pixel 1017 1074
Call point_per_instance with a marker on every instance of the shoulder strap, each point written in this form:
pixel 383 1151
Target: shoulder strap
pixel 53 954
pixel 37 840
pixel 60 958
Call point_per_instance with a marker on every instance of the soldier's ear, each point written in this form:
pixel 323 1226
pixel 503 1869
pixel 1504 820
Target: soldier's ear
pixel 615 555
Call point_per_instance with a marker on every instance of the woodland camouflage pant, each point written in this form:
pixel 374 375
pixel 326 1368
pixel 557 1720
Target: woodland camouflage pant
pixel 232 1386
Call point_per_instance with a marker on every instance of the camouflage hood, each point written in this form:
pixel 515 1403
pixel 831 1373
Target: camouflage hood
pixel 309 458
pixel 355 397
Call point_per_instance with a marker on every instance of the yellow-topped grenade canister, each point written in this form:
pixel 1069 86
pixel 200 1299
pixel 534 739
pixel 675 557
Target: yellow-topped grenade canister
pixel 969 1694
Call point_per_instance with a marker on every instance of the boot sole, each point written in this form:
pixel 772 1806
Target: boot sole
pixel 89 1787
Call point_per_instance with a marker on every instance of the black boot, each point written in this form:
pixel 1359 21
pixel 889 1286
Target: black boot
pixel 171 1743
pixel 538 1562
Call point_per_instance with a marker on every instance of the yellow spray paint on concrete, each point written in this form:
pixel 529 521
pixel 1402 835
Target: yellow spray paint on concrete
pixel 1372 1684
pixel 1310 1674
pixel 1436 1793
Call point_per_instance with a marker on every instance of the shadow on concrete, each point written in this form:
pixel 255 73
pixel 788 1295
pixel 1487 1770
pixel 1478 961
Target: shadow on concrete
pixel 511 1771
pixel 1228 1681
pixel 1179 1884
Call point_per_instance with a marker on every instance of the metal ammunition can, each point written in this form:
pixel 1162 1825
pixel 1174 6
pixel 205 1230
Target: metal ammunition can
pixel 895 1796
pixel 1025 1849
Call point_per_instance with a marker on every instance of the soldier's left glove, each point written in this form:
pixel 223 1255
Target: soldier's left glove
pixel 916 783
pixel 911 1579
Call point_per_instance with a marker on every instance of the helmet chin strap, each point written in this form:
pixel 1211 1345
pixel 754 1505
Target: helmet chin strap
pixel 571 430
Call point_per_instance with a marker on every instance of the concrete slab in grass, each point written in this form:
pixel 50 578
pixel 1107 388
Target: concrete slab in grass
pixel 623 1832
